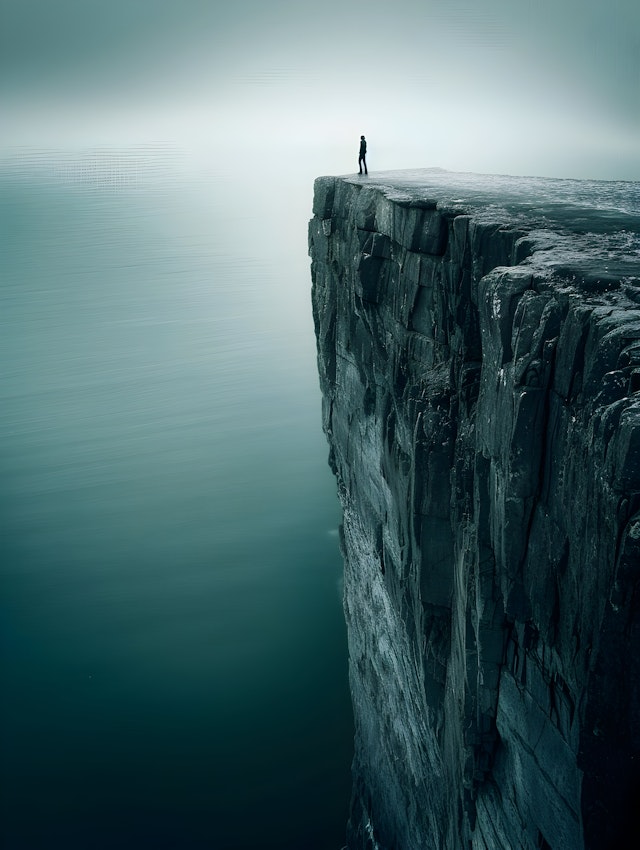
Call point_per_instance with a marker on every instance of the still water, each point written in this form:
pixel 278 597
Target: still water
pixel 173 649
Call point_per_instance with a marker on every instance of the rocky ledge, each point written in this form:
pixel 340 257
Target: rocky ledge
pixel 479 357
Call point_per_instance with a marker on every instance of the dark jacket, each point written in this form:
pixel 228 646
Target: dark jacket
pixel 363 147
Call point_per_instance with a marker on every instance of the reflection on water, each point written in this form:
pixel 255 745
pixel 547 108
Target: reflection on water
pixel 173 646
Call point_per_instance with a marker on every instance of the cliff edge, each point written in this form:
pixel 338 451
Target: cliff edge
pixel 479 357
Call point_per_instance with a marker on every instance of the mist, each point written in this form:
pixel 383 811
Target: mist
pixel 497 87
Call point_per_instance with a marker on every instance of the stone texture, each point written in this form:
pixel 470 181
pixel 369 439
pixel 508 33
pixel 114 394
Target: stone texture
pixel 481 398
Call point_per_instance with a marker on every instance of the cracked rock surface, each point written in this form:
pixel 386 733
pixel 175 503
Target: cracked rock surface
pixel 479 358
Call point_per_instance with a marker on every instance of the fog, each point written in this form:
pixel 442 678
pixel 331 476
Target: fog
pixel 509 87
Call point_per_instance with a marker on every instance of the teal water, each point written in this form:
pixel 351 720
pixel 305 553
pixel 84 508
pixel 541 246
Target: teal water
pixel 173 648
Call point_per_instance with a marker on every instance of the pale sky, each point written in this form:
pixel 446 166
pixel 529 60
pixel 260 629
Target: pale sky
pixel 547 87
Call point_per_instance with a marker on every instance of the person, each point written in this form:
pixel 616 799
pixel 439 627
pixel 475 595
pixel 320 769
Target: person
pixel 362 157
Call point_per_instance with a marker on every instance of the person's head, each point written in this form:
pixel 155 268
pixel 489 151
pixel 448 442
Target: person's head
pixel 362 137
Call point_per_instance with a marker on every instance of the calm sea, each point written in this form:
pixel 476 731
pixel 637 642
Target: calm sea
pixel 173 650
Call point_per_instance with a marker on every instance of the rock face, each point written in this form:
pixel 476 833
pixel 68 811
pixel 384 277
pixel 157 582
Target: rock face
pixel 479 361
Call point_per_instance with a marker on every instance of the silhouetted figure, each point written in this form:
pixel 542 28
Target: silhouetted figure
pixel 362 156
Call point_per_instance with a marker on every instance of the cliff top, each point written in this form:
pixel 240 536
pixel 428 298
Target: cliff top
pixel 576 228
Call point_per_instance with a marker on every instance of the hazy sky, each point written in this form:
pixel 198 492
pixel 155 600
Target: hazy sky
pixel 547 87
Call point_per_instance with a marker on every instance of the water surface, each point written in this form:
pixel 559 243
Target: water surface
pixel 173 650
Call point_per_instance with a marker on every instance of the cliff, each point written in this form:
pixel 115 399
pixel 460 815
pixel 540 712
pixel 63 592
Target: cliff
pixel 479 358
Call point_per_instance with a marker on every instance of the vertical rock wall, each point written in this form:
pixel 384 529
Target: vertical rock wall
pixel 484 430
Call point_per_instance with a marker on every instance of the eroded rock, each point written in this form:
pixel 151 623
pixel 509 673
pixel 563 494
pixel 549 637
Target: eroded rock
pixel 481 377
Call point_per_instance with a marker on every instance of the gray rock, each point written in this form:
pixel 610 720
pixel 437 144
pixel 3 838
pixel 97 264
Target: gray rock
pixel 479 359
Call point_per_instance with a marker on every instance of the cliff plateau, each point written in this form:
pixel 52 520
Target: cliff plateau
pixel 479 358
